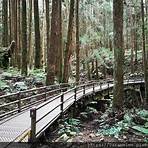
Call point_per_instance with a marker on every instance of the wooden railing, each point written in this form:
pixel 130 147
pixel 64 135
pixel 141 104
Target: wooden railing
pixel 33 97
pixel 74 93
pixel 25 99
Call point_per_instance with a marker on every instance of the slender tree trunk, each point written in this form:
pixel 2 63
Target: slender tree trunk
pixel 10 30
pixel 135 43
pixel 18 36
pixel 88 66
pixel 15 34
pixel 60 44
pixel 97 75
pixel 132 43
pixel 47 27
pixel 127 25
pixel 118 54
pixel 5 23
pixel 59 50
pixel 43 35
pixel 37 35
pixel 145 54
pixel 24 38
pixel 77 43
pixel 30 49
pixel 69 42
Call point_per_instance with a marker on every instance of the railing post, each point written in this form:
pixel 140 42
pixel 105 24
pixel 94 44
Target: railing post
pixel 84 89
pixel 75 91
pixel 100 86
pixel 45 93
pixel 62 102
pixel 75 99
pixel 33 125
pixel 108 87
pixel 93 88
pixel 19 103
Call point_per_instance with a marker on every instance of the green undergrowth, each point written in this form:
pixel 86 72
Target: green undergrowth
pixel 69 128
pixel 134 121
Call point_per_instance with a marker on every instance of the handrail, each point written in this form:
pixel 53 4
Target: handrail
pixel 44 94
pixel 77 89
pixel 29 95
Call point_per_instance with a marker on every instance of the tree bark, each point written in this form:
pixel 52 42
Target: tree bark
pixel 37 35
pixel 77 43
pixel 69 42
pixel 5 23
pixel 54 43
pixel 24 38
pixel 145 54
pixel 18 36
pixel 30 49
pixel 118 54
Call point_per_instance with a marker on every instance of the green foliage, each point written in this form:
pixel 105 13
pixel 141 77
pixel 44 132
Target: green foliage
pixel 39 74
pixel 128 118
pixel 103 55
pixel 142 113
pixel 141 129
pixel 3 85
pixel 90 110
pixel 113 131
pixel 12 71
pixel 68 129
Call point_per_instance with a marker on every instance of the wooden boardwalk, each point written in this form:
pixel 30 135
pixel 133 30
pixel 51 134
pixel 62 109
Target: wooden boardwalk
pixel 18 127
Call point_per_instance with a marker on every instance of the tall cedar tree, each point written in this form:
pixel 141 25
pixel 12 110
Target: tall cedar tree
pixel 145 54
pixel 77 42
pixel 118 53
pixel 24 38
pixel 5 23
pixel 60 48
pixel 69 42
pixel 30 49
pixel 37 35
pixel 61 45
pixel 18 58
pixel 54 42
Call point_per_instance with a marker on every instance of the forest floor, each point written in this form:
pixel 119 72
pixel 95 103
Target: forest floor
pixel 130 125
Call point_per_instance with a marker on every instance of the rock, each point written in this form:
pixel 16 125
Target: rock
pixel 92 135
pixel 80 134
pixel 19 86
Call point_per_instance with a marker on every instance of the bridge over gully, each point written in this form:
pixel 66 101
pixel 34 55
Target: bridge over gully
pixel 36 109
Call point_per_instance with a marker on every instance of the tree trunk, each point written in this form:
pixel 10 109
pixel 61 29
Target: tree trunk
pixel 118 54
pixel 54 42
pixel 60 75
pixel 97 75
pixel 145 54
pixel 69 42
pixel 10 30
pixel 132 43
pixel 59 48
pixel 18 36
pixel 5 23
pixel 47 27
pixel 30 49
pixel 88 66
pixel 77 43
pixel 37 36
pixel 24 38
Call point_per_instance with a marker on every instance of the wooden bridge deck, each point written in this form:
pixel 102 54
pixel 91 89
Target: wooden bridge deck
pixel 17 128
